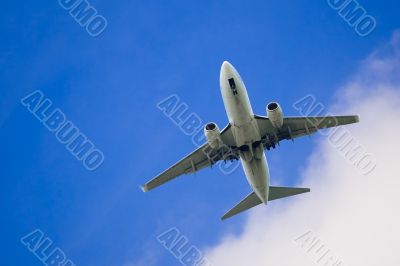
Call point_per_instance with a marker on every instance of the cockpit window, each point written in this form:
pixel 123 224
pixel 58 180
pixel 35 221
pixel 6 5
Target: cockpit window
pixel 232 84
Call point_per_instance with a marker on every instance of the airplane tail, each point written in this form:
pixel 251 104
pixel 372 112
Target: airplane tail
pixel 253 200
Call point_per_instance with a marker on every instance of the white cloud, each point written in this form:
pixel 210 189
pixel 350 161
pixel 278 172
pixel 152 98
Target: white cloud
pixel 355 216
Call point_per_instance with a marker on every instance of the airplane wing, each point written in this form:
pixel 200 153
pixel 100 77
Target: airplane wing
pixel 202 157
pixel 294 127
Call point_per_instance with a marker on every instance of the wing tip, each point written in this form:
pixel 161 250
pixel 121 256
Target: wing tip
pixel 224 217
pixel 144 188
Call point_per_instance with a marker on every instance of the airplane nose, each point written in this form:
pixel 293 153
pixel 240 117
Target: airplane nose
pixel 227 70
pixel 229 77
pixel 226 66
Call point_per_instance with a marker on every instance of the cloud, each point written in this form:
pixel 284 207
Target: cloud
pixel 355 216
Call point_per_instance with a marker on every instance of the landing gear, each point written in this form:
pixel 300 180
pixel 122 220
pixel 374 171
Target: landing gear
pixel 272 145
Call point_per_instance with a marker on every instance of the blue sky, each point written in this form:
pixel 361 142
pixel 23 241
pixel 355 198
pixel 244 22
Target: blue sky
pixel 108 86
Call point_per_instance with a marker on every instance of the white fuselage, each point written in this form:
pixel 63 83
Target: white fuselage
pixel 245 130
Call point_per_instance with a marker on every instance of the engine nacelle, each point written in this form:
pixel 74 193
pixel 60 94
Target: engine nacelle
pixel 213 135
pixel 275 114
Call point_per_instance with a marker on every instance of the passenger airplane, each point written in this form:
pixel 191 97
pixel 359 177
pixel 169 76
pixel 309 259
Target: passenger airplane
pixel 245 138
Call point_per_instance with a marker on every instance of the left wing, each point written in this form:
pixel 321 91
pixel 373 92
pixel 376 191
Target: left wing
pixel 294 127
pixel 202 157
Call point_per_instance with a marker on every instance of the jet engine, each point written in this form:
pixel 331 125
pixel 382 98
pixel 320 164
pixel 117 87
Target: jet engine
pixel 213 135
pixel 275 114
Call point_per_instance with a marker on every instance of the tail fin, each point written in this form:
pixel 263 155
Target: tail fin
pixel 253 200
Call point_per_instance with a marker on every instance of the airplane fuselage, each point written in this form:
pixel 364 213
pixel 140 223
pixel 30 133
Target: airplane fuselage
pixel 245 130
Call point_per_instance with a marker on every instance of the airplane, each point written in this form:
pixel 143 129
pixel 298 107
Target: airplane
pixel 245 138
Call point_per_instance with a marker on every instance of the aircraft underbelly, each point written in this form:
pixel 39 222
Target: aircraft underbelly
pixel 257 173
pixel 245 131
pixel 244 126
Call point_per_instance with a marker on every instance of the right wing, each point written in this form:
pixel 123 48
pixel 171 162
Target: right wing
pixel 202 157
pixel 294 127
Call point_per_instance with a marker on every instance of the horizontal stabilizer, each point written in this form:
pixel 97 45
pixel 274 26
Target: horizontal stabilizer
pixel 249 202
pixel 253 200
pixel 283 192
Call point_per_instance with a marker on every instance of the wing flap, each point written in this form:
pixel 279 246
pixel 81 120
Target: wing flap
pixel 202 157
pixel 191 163
pixel 294 127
